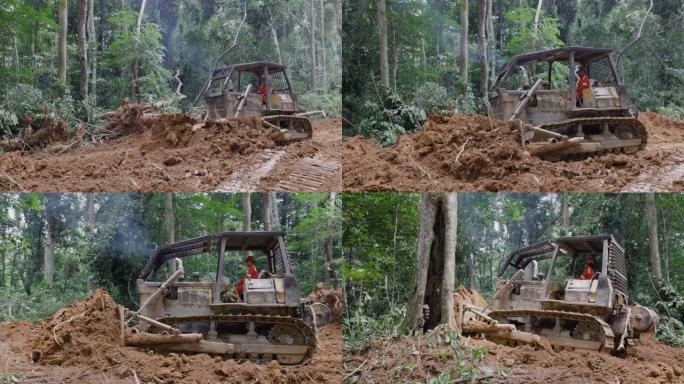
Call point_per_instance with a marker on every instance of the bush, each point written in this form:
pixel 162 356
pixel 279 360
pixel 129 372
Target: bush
pixel 42 303
pixel 433 98
pixel 23 99
pixel 8 122
pixel 390 120
pixel 331 103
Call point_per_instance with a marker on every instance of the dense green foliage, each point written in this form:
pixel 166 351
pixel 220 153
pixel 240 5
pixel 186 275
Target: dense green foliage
pixel 380 245
pixel 127 229
pixel 186 38
pixel 423 48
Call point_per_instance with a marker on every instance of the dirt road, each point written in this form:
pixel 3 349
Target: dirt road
pixel 474 153
pixel 80 345
pixel 171 156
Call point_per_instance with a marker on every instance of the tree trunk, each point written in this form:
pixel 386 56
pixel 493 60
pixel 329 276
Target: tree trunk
pixel 338 16
pixel 312 43
pixel 83 47
pixel 275 214
pixel 666 247
pixel 382 27
pixel 324 74
pixel 62 44
pixel 170 226
pixel 276 42
pixel 423 58
pixel 246 216
pixel 16 50
pixel 436 263
pixel 92 50
pixel 52 234
pixel 653 237
pixel 565 213
pixel 136 60
pixel 266 214
pixel 90 211
pixel 491 40
pixel 482 46
pixel 536 20
pixel 329 241
pixel 463 70
pixel 395 58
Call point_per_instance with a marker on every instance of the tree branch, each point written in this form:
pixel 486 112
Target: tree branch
pixel 636 38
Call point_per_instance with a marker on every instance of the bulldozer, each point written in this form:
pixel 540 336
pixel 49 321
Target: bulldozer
pixel 203 313
pixel 258 89
pixel 557 123
pixel 560 304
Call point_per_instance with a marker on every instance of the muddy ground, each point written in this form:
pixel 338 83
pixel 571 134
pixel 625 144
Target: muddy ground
pixel 418 359
pixel 167 154
pixel 474 153
pixel 80 344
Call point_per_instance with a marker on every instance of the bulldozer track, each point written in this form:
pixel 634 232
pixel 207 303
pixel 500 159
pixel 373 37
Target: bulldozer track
pixel 299 324
pixel 608 335
pixel 636 124
pixel 309 175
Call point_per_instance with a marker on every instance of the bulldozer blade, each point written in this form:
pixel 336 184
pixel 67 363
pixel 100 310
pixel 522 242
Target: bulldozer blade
pixel 291 128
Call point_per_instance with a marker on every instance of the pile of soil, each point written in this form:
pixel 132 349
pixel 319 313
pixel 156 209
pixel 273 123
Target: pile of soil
pixel 37 133
pixel 83 340
pixel 332 298
pixel 476 153
pixel 428 356
pixel 158 153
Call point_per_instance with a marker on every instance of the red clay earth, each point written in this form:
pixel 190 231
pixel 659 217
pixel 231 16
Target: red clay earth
pixel 417 359
pixel 80 344
pixel 474 153
pixel 164 153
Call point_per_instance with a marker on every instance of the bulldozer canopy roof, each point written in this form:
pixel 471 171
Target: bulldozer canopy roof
pixel 544 249
pixel 582 54
pixel 235 241
pixel 257 66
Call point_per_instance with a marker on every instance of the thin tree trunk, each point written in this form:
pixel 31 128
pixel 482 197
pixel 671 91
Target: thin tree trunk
pixel 482 46
pixel 62 44
pixel 382 27
pixel 395 59
pixel 329 241
pixel 536 19
pixel 491 40
pixel 449 210
pixel 463 70
pixel 51 221
pixel 90 211
pixel 136 60
pixel 276 42
pixel 324 74
pixel 16 50
pixel 312 43
pixel 92 48
pixel 338 17
pixel 83 47
pixel 275 214
pixel 653 237
pixel 666 247
pixel 565 213
pixel 246 216
pixel 170 226
pixel 423 58
pixel 266 215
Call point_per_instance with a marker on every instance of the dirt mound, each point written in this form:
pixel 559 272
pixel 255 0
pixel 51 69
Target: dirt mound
pixel 466 296
pixel 332 298
pixel 475 153
pixel 37 133
pixel 86 336
pixel 428 356
pixel 171 153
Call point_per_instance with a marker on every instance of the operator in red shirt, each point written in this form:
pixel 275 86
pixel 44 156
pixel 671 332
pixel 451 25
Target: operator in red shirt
pixel 263 90
pixel 583 83
pixel 252 273
pixel 588 271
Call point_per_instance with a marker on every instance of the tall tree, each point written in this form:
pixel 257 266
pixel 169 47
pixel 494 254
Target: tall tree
pixel 83 47
pixel 666 246
pixel 329 241
pixel 463 70
pixel 266 211
pixel 382 28
pixel 246 216
pixel 63 14
pixel 565 213
pixel 170 225
pixel 312 42
pixel 653 237
pixel 90 211
pixel 54 229
pixel 324 72
pixel 482 46
pixel 92 50
pixel 436 263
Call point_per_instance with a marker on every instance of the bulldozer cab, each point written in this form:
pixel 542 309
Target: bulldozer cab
pixel 205 283
pixel 559 284
pixel 556 98
pixel 263 86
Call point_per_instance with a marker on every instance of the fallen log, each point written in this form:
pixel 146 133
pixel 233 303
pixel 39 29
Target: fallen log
pixel 543 149
pixel 140 339
pixel 502 331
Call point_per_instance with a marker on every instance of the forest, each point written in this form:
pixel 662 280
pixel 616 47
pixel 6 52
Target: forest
pixel 72 61
pixel 381 248
pixel 56 248
pixel 405 60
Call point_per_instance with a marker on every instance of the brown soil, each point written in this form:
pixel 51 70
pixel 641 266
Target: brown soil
pixel 474 153
pixel 421 358
pixel 165 153
pixel 81 344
